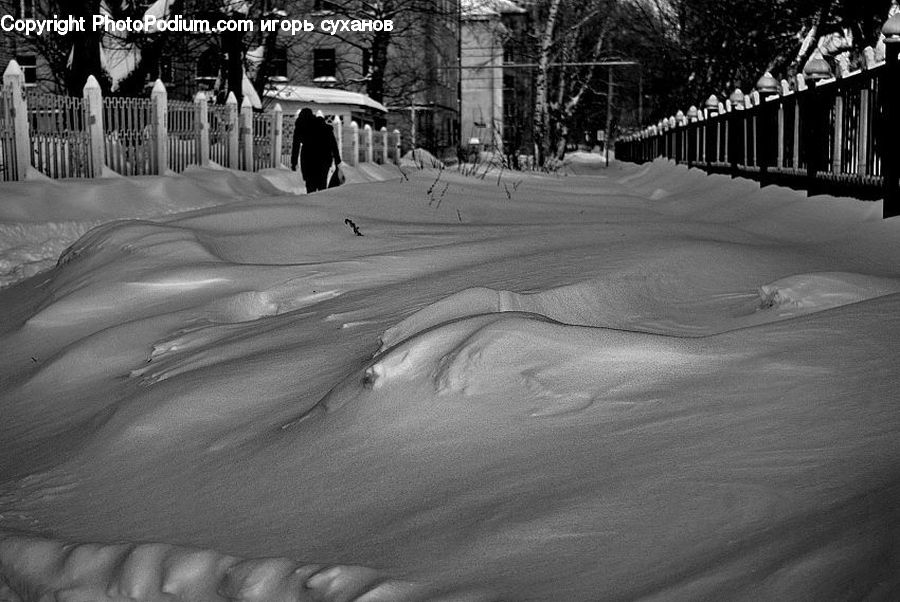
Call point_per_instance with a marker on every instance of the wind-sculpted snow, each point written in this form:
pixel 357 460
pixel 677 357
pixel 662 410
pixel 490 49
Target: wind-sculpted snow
pixel 600 303
pixel 552 368
pixel 805 293
pixel 34 569
pixel 134 269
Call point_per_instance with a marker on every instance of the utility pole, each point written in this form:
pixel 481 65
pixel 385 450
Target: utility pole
pixel 609 104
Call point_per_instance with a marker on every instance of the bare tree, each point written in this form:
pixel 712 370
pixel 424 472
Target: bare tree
pixel 542 82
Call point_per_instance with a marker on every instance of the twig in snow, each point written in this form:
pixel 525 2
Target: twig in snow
pixel 436 180
pixel 352 225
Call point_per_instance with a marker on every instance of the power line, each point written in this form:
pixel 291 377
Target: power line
pixel 535 65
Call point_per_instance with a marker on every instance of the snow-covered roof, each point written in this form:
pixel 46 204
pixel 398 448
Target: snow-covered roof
pixel 332 96
pixel 489 8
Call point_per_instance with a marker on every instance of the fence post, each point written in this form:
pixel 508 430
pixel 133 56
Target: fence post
pixel 15 80
pixel 367 132
pixel 277 134
pixel 816 121
pixel 837 151
pixel 785 90
pixel 246 132
pixel 339 133
pixel 800 84
pixel 384 146
pixel 712 111
pixel 354 144
pixel 201 108
pixel 889 134
pixel 93 98
pixel 232 129
pixel 397 147
pixel 768 132
pixel 693 136
pixel 862 145
pixel 159 106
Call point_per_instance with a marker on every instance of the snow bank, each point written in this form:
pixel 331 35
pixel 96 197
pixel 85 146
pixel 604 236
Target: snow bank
pixel 39 219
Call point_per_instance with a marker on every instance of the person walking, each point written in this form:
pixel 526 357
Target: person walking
pixel 314 143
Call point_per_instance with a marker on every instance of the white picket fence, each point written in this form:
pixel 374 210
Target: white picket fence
pixel 69 137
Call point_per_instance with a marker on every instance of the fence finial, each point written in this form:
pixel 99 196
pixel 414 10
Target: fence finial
pixel 891 27
pixel 91 83
pixel 12 69
pixel 816 67
pixel 767 85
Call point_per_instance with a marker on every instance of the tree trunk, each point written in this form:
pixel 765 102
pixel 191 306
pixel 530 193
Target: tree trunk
pixel 265 66
pixel 85 51
pixel 378 59
pixel 233 43
pixel 541 100
pixel 378 52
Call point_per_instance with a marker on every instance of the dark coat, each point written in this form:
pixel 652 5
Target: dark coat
pixel 315 144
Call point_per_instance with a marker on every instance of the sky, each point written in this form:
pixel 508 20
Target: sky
pixel 624 382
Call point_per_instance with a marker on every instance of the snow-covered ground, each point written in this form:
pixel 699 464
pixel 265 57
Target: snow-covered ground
pixel 628 383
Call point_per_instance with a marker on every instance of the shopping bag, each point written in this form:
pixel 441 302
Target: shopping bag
pixel 337 178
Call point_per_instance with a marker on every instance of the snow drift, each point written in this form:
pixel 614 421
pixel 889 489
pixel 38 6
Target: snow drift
pixel 629 383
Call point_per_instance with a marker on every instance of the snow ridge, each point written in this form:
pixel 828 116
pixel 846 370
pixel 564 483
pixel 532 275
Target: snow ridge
pixel 38 569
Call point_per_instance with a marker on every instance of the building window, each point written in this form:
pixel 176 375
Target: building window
pixel 278 62
pixel 208 68
pixel 28 63
pixel 324 63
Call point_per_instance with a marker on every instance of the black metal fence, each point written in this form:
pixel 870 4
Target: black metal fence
pixel 836 136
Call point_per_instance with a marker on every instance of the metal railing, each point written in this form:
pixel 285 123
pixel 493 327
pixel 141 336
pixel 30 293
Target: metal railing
pixel 826 135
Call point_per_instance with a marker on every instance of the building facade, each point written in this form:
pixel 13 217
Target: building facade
pixel 497 84
pixel 411 70
pixel 484 31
